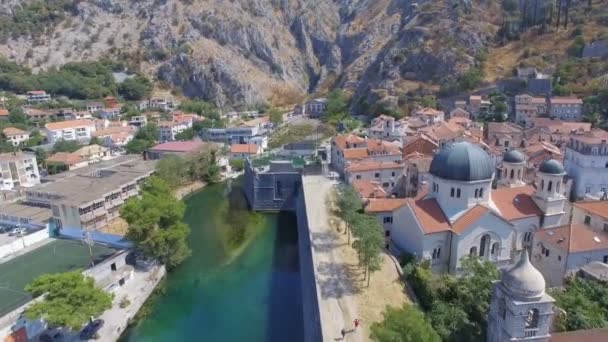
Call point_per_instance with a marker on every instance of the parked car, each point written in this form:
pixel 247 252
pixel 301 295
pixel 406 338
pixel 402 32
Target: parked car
pixel 18 231
pixel 90 331
pixel 50 337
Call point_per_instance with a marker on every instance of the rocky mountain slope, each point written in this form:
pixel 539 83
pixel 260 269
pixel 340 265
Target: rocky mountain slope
pixel 243 52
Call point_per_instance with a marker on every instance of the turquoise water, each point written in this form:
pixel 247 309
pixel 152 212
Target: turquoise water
pixel 212 297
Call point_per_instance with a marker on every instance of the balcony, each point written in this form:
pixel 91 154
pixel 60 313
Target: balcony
pixel 87 217
pixel 530 332
pixel 99 211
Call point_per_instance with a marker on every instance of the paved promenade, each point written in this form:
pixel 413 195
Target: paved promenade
pixel 335 291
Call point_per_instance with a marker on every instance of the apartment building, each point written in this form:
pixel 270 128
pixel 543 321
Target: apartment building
pixel 18 169
pixel 586 161
pixel 91 197
pixel 528 108
pixel 167 130
pixel 138 121
pixel 80 130
pixel 250 134
pixel 16 136
pixel 593 214
pixel 36 96
pixel 566 108
pixel 478 106
pixel 385 173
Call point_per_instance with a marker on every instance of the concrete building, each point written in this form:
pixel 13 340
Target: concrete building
pixel 313 108
pixel 388 128
pixel 566 108
pixel 113 272
pixel 91 197
pixel 80 130
pixel 478 106
pixel 16 136
pixel 18 170
pixel 251 134
pixel 429 115
pixel 161 101
pixel 586 161
pixel 84 156
pixel 593 214
pixel 242 151
pixel 167 130
pixel 274 185
pixel 527 108
pixel 520 309
pixel 36 96
pixel 94 107
pixel 346 149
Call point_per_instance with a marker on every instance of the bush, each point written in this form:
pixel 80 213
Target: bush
pixel 124 302
pixel 237 164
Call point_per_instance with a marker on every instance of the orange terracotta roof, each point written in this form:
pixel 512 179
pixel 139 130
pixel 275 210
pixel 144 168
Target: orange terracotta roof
pixel 421 144
pixel 599 208
pixel 595 136
pixel 428 112
pixel 370 165
pixel 244 148
pixel 470 217
pixel 355 153
pixel 574 238
pixel 64 158
pixel 369 189
pixel 113 130
pixel 10 131
pixel 565 100
pixel 69 124
pixel 342 141
pixel 515 203
pixel 378 205
pixel 3 112
pixel 429 215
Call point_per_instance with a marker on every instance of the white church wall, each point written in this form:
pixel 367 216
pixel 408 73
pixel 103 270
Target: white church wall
pixel 406 233
pixel 553 266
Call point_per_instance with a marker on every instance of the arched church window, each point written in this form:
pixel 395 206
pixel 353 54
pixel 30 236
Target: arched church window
pixel 532 319
pixel 458 192
pixel 452 192
pixel 476 193
pixel 485 241
pixel 473 251
pixel 494 250
pixel 550 186
pixel 542 184
pixel 436 253
pixel 519 174
pixel 481 192
pixel 557 186
pixel 512 173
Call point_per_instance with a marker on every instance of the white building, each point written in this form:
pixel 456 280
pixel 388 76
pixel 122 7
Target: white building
pixel 160 101
pixel 80 130
pixel 346 149
pixel 429 115
pixel 593 214
pixel 314 108
pixel 167 130
pixel 253 134
pixel 18 169
pixel 35 96
pixel 462 215
pixel 528 108
pixel 388 128
pixel 138 121
pixel 16 136
pixel 520 309
pixel 566 108
pixel 586 161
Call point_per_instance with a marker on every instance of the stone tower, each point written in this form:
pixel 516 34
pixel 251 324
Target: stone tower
pixel 520 309
pixel 512 174
pixel 549 195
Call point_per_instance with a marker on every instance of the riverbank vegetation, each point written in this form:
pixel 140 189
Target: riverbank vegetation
pixel 585 302
pixel 177 170
pixel 403 324
pixel 70 299
pixel 156 225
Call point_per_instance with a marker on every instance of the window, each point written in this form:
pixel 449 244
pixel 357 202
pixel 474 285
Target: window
pixel 605 226
pixel 494 250
pixel 452 192
pixel 436 253
pixel 587 189
pixel 476 193
pixel 387 233
pixel 550 186
pixel 502 307
pixel 557 185
pixel 481 192
pixel 559 258
pixel 358 177
pixel 385 185
pixel 393 174
pixel 512 173
pixel 376 175
pixel 387 219
pixel 532 319
pixel 458 193
pixel 485 240
pixel 542 184
pixel 518 174
pixel 547 252
pixel 587 220
pixel 473 251
pixel 605 259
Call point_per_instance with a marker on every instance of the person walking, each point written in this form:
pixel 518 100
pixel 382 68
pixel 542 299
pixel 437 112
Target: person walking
pixel 357 323
pixel 343 333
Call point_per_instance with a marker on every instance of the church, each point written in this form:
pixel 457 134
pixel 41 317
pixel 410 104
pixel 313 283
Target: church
pixel 462 214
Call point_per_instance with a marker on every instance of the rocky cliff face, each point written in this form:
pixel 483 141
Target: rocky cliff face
pixel 243 52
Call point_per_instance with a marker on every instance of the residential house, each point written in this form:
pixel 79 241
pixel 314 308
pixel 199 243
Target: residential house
pixel 388 128
pixel 386 173
pixel 504 135
pixel 242 151
pixel 313 108
pixel 244 134
pixel 16 136
pixel 84 156
pixel 525 73
pixel 566 108
pixel 384 209
pixel 65 161
pixel 443 132
pixel 18 169
pixel 417 167
pixel 4 114
pixel 593 214
pixel 460 113
pixel 36 96
pixel 346 149
pixel 369 189
pixel 597 49
pixel 138 121
pixel 111 102
pixel 160 101
pixel 478 106
pixel 586 161
pixel 429 115
pixel 167 130
pixel 80 130
pixel 560 252
pixel 180 148
pixel 528 108
pixel 302 148
pixel 40 115
pixel 76 115
pixel 94 107
pixel 110 112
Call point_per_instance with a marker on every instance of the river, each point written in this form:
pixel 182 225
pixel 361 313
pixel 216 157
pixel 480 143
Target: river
pixel 254 296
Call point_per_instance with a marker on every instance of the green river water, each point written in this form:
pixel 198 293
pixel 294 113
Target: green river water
pixel 215 296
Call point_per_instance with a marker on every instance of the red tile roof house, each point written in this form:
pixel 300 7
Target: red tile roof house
pixel 3 114
pixel 243 151
pixel 175 148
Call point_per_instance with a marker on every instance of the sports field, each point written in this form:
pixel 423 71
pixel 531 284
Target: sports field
pixel 57 256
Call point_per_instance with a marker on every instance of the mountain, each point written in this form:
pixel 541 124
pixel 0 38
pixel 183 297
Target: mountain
pixel 244 52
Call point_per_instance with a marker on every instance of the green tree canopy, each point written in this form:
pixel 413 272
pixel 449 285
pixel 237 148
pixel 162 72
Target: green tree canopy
pixel 135 88
pixel 156 224
pixel 276 117
pixel 187 134
pixel 17 116
pixel 70 299
pixel 585 303
pixel 337 106
pixel 201 108
pixel 406 324
pixel 174 170
pixel 66 146
pixel 144 139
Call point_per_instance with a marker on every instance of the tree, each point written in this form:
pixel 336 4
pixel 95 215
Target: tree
pixel 201 108
pixel 585 302
pixel 135 88
pixel 70 299
pixel 406 324
pixel 594 118
pixel 337 107
pixel 95 141
pixel 237 164
pixel 174 170
pixel 17 116
pixel 41 156
pixel 187 134
pixel 66 146
pixel 276 117
pixel 144 139
pixel 349 204
pixel 156 224
pixel 369 241
pixel 36 139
